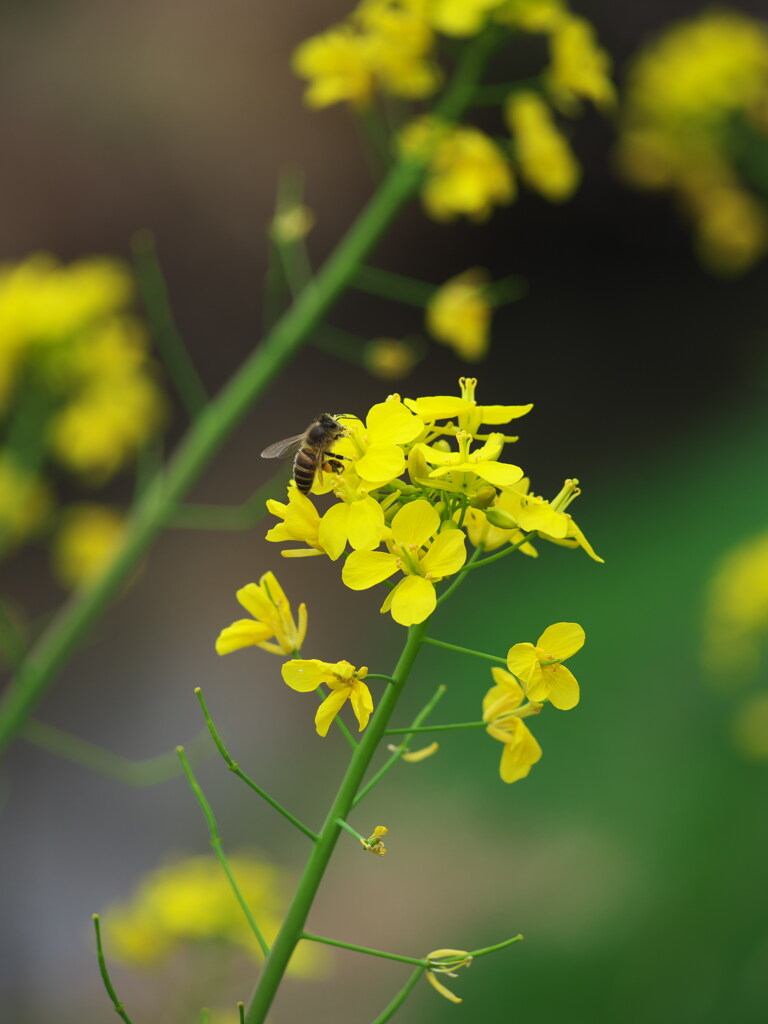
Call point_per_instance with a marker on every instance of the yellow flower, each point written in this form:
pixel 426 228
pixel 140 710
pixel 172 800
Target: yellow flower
pixel 390 358
pixel 272 617
pixel 461 17
pixel 545 159
pixel 481 463
pixel 749 728
pixel 550 519
pixel 471 416
pixel 411 550
pixel 467 174
pixel 579 67
pixel 86 543
pixel 338 66
pixel 459 314
pixel 24 502
pixel 502 712
pixel 736 622
pixel 540 670
pixel 346 684
pixel 533 15
pixel 483 530
pixel 446 961
pixel 374 843
pixel 301 522
pixel 357 519
pixel 375 445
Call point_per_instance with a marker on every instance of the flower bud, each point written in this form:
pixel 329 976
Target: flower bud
pixel 442 445
pixel 417 465
pixel 448 524
pixel 483 497
pixel 501 519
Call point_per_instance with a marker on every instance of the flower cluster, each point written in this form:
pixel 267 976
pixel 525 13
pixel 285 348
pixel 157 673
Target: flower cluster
pixel 422 477
pixel 73 360
pixel 190 901
pixel 536 675
pixel 694 122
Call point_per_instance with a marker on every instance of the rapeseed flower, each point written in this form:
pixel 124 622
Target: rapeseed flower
pixel 545 159
pixel 86 543
pixel 502 711
pixel 461 17
pixel 300 522
pixel 272 618
pixel 459 314
pixel 539 668
pixel 345 682
pixel 357 519
pixel 420 552
pixel 446 961
pixel 25 502
pixel 481 463
pixel 467 173
pixel 375 444
pixel 579 68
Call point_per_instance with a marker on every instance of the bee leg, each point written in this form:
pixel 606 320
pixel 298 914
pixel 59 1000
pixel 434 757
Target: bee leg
pixel 333 466
pixel 335 455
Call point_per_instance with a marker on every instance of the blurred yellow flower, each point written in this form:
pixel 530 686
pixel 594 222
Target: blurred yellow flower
pixel 24 502
pixel 345 682
pixel 390 358
pixel 85 543
pixel 461 17
pixel 749 728
pixel 338 67
pixel 579 68
pixel 543 155
pixel 467 175
pixel 272 617
pixel 540 670
pixel 736 619
pixel 533 15
pixel 459 314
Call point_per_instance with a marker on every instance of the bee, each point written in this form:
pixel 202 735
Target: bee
pixel 313 450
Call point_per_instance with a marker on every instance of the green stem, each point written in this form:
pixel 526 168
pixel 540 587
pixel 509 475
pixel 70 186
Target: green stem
pixel 436 728
pixel 389 285
pixel 492 949
pixel 228 517
pixel 237 770
pixel 365 949
pixel 494 95
pixel 218 849
pixel 389 1012
pixel 119 1008
pixel 148 772
pixel 464 650
pixel 425 712
pixel 503 554
pixel 241 1012
pixel 12 643
pixel 457 582
pixel 162 323
pixel 348 828
pixel 293 925
pixel 379 675
pixel 208 432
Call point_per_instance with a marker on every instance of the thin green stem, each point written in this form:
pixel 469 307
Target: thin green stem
pixel 162 323
pixel 147 772
pixel 389 285
pixel 503 554
pixel 241 1012
pixel 229 517
pixel 348 828
pixel 389 1012
pixel 493 949
pixel 208 432
pixel 494 95
pixel 216 843
pixel 379 675
pixel 12 643
pixel 457 582
pixel 119 1008
pixel 464 650
pixel 364 949
pixel 235 768
pixel 391 761
pixel 293 925
pixel 436 728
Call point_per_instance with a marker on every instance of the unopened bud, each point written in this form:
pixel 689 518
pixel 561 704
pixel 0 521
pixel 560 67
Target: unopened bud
pixel 442 445
pixel 501 519
pixel 417 465
pixel 448 524
pixel 483 497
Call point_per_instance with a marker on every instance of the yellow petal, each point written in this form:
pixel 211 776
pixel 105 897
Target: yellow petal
pixel 413 600
pixel 563 688
pixel 507 682
pixel 415 523
pixel 328 710
pixel 364 569
pixel 391 422
pixel 522 661
pixel 495 414
pixel 243 633
pixel 520 755
pixel 500 474
pixel 438 407
pixel 362 703
pixel 381 463
pixel 255 601
pixel 447 554
pixel 306 675
pixel 445 992
pixel 561 640
pixel 333 530
pixel 414 756
pixel 366 524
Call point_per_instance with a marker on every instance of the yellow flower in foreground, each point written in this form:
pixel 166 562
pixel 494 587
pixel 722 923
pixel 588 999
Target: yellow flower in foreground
pixel 88 539
pixel 501 711
pixel 412 551
pixel 446 961
pixel 471 416
pixel 301 522
pixel 467 174
pixel 579 68
pixel 346 684
pixel 272 617
pixel 545 159
pixel 459 314
pixel 487 528
pixel 540 670
pixel 375 445
pixel 481 463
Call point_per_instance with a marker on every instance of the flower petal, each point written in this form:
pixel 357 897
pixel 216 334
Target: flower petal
pixel 415 523
pixel 391 422
pixel 561 640
pixel 334 529
pixel 413 600
pixel 447 555
pixel 495 414
pixel 255 601
pixel 306 675
pixel 366 524
pixel 438 407
pixel 522 661
pixel 381 463
pixel 243 633
pixel 563 688
pixel 509 684
pixel 520 755
pixel 362 703
pixel 328 710
pixel 364 569
pixel 500 474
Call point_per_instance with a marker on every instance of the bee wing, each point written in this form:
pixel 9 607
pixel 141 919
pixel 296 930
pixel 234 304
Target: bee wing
pixel 281 449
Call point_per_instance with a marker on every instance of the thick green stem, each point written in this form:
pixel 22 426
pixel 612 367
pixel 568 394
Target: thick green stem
pixel 293 925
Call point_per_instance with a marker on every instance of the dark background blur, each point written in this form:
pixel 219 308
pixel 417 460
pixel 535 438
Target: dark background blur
pixel 633 857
